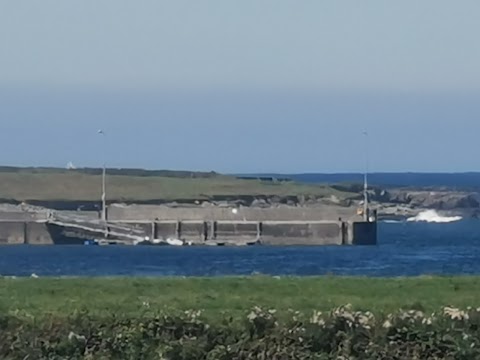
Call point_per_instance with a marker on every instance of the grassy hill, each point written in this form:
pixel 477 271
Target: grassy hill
pixel 44 184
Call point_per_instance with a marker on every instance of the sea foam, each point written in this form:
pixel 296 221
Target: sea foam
pixel 432 216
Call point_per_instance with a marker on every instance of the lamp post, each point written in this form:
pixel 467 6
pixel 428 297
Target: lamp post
pixel 365 180
pixel 104 174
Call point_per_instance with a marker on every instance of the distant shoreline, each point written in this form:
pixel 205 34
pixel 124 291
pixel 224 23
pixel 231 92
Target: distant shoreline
pixel 80 189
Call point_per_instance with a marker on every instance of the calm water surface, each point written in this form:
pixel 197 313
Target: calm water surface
pixel 404 249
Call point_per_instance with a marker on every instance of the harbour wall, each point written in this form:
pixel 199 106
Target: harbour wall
pixel 118 212
pixel 227 232
pixel 25 232
pixel 284 225
pixel 210 232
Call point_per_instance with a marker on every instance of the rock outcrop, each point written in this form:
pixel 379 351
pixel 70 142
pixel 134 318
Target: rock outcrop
pixel 437 200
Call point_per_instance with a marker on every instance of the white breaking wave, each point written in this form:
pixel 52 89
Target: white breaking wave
pixel 432 216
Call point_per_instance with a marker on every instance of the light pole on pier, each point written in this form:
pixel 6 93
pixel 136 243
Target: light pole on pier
pixel 365 180
pixel 104 175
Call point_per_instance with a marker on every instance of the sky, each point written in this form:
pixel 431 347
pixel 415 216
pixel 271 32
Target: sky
pixel 241 86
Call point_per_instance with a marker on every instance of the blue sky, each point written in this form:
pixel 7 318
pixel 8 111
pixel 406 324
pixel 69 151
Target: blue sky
pixel 241 86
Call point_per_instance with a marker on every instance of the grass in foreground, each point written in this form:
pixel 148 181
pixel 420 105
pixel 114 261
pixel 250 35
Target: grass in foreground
pixel 235 296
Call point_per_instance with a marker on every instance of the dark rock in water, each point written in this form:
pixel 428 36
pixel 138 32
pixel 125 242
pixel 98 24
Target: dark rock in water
pixel 475 214
pixel 471 201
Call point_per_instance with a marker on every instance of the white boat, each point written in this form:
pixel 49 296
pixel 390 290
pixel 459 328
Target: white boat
pixel 174 242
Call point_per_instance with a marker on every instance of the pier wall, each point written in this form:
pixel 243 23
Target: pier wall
pixel 262 232
pixel 166 230
pixel 247 225
pixel 302 233
pixel 24 232
pixel 236 232
pixel 196 232
pixel 37 234
pixel 215 232
pixel 12 232
pixel 117 212
pixel 364 233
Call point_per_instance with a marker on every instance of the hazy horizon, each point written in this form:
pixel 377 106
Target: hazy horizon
pixel 241 87
pixel 111 168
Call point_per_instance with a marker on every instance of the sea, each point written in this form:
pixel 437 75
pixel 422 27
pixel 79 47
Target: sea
pixel 403 249
pixel 429 244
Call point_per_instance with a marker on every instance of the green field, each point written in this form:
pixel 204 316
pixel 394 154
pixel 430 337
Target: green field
pixel 236 295
pixel 49 185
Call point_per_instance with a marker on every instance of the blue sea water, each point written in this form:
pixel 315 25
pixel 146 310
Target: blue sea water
pixel 404 249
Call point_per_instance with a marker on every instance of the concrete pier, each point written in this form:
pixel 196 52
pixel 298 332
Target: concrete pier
pixel 302 233
pixel 209 233
pixel 194 225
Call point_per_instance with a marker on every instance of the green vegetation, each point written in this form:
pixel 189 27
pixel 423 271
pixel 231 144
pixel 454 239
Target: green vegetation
pixel 340 334
pixel 98 171
pixel 141 185
pixel 235 295
pixel 242 318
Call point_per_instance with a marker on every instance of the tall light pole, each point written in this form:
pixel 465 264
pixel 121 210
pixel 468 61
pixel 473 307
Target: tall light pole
pixel 365 180
pixel 104 175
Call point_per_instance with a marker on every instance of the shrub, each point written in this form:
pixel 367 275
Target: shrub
pixel 339 334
